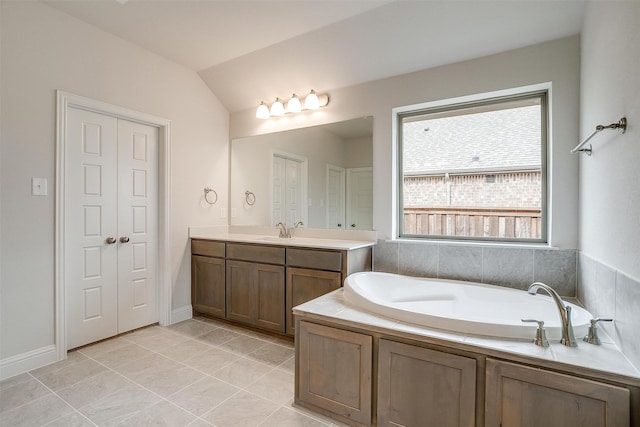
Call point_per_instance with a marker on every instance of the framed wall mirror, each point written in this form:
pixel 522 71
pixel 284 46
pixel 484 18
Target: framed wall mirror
pixel 320 176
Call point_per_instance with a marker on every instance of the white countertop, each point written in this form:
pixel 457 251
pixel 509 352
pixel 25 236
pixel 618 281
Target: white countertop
pixel 306 238
pixel 605 358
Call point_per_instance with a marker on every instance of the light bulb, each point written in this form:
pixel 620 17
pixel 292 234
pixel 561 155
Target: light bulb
pixel 311 102
pixel 277 109
pixel 263 111
pixel 294 105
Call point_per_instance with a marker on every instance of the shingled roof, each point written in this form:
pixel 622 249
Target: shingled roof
pixel 481 142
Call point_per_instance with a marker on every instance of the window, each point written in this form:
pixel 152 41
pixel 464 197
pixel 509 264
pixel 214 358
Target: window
pixel 475 171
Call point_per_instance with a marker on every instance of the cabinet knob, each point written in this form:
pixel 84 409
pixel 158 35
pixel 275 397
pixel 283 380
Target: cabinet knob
pixel 124 239
pixel 110 240
pixel 353 225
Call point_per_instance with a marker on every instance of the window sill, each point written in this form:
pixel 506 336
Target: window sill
pixel 476 243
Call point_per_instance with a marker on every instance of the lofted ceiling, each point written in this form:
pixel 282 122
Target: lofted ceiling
pixel 252 50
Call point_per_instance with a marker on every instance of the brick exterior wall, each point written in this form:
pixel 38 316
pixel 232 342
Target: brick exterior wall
pixel 508 190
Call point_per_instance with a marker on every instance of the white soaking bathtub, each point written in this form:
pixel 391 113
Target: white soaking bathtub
pixel 463 307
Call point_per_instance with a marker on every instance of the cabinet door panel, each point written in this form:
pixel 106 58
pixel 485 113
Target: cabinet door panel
pixel 304 285
pixel 270 297
pixel 208 285
pixel 240 293
pixel 423 387
pixel 334 371
pixel 522 396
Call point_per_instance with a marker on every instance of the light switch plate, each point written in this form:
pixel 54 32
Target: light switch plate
pixel 38 186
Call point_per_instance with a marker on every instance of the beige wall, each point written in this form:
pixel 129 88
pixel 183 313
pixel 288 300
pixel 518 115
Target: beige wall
pixel 610 178
pixel 557 62
pixel 609 279
pixel 43 50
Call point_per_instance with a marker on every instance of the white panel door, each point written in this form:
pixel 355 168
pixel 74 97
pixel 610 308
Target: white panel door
pixel 110 226
pixel 91 262
pixel 360 198
pixel 137 224
pixel 335 197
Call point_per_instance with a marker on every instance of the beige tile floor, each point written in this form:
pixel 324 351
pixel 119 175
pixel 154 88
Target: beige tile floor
pixel 195 373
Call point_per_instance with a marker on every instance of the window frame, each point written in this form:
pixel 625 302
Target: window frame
pixel 443 106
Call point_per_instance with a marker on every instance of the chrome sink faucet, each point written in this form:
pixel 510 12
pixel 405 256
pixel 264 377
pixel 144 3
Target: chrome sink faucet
pixel 284 231
pixel 568 338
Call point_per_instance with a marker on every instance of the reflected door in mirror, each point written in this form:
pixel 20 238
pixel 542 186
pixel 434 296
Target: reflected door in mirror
pixel 288 190
pixel 335 197
pixel 360 198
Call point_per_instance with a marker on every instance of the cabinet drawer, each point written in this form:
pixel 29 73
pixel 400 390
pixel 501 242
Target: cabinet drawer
pixel 207 248
pixel 320 260
pixel 256 253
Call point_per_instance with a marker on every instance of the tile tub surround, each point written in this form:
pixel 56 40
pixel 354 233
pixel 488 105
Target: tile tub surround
pixel 512 267
pixel 609 293
pixel 195 373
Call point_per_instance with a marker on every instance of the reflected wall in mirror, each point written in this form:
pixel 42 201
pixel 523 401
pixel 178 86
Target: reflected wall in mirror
pixel 320 175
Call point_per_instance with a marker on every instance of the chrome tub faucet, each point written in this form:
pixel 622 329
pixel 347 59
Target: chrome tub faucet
pixel 568 338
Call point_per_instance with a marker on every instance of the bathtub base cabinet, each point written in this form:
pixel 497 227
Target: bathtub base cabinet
pixel 418 386
pixel 335 372
pixel 361 377
pixel 529 397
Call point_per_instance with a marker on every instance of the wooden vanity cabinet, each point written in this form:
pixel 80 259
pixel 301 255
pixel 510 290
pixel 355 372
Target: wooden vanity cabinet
pixel 529 397
pixel 255 290
pixel 259 285
pixel 208 292
pixel 310 274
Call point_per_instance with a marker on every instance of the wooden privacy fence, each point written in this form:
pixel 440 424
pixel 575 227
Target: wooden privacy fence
pixel 473 222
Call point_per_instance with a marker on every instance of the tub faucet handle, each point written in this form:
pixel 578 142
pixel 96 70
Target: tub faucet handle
pixel 541 335
pixel 592 335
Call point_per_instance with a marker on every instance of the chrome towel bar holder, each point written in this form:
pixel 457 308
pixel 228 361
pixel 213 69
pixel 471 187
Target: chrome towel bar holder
pixel 622 124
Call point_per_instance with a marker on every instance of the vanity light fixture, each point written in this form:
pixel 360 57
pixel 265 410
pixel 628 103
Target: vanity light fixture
pixel 277 109
pixel 312 101
pixel 263 111
pixel 294 105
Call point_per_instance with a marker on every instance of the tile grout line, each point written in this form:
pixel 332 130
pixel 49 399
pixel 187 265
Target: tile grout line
pixel 65 401
pixel 269 368
pixel 239 356
pixel 150 391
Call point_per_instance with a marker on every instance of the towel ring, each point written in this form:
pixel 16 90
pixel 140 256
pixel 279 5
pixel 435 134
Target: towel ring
pixel 208 190
pixel 250 198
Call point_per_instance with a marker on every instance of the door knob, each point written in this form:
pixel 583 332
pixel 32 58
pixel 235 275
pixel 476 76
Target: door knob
pixel 124 239
pixel 110 240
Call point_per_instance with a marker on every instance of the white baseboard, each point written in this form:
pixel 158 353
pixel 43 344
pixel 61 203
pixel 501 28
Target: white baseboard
pixel 180 314
pixel 14 365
